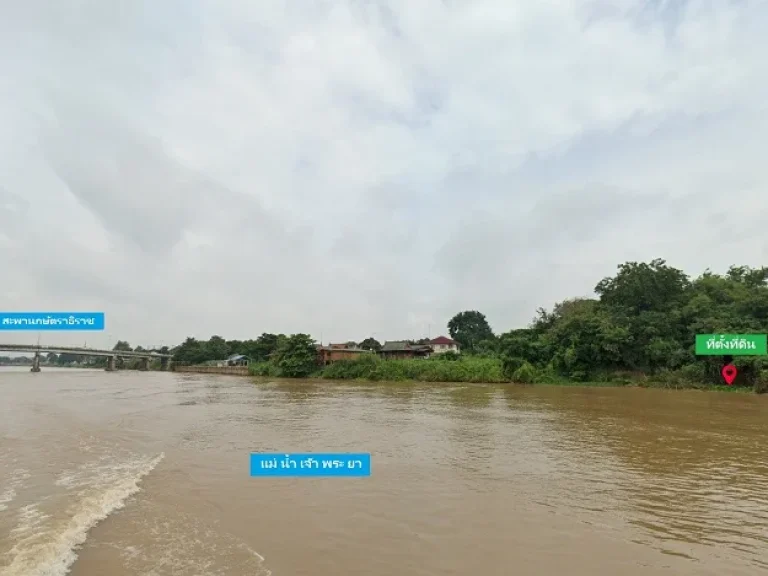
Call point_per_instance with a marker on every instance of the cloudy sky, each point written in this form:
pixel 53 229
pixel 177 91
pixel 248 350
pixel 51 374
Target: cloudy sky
pixel 356 167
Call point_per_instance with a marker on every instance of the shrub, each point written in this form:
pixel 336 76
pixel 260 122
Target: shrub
pixel 263 369
pixel 465 369
pixel 526 374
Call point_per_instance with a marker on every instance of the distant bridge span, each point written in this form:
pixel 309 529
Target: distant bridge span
pixel 112 355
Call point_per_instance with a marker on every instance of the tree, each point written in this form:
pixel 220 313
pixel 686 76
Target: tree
pixel 262 349
pixel 237 347
pixel 216 348
pixel 296 356
pixel 488 348
pixel 523 344
pixel 752 277
pixel 190 352
pixel 469 329
pixel 122 346
pixel 640 287
pixel 370 344
pixel 586 342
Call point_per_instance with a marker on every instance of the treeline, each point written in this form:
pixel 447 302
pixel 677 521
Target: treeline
pixel 642 325
pixel 639 328
pixel 216 348
pixel 265 348
pixel 15 361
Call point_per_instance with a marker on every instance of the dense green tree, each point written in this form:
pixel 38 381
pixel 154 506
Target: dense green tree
pixel 645 320
pixel 265 346
pixel 489 347
pixel 469 328
pixel 191 351
pixel 296 356
pixel 217 348
pixel 370 344
pixel 642 287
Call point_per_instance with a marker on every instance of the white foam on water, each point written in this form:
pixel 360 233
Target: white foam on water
pixel 30 519
pixel 45 547
pixel 15 482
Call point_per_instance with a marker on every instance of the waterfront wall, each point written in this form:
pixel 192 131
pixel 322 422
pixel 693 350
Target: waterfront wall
pixel 229 370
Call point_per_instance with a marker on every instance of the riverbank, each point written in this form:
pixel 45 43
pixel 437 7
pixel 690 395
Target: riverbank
pixel 225 370
pixel 483 370
pixel 403 373
pixel 559 384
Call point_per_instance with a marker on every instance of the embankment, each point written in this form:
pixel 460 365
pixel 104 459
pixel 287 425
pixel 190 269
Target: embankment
pixel 229 370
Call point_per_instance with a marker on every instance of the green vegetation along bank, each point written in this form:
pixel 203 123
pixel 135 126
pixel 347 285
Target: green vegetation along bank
pixel 639 330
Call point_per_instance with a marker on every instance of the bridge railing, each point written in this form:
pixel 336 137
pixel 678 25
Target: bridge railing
pixel 79 351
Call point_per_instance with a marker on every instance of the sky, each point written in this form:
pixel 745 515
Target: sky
pixel 355 168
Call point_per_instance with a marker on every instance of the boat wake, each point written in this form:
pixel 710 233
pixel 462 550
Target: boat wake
pixel 45 543
pixel 15 482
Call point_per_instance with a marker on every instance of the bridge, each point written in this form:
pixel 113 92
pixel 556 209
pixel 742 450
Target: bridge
pixel 112 355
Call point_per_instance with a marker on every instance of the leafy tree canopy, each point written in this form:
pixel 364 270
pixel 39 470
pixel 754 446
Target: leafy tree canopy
pixel 469 328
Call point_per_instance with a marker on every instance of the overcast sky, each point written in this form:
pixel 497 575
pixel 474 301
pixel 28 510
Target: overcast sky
pixel 350 168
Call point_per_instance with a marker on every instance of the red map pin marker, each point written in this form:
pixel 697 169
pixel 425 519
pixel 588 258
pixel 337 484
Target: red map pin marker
pixel 729 373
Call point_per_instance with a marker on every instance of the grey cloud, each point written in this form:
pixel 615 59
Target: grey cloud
pixel 12 208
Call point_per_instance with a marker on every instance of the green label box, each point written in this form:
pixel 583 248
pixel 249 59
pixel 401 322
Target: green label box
pixel 731 344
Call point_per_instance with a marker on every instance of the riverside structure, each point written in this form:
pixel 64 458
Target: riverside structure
pixel 112 355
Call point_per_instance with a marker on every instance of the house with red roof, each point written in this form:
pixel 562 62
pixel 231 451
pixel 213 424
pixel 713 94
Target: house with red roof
pixel 441 344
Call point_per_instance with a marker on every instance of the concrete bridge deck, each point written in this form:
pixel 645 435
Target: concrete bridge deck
pixel 112 355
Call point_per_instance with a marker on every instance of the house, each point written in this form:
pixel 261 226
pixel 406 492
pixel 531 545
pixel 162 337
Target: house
pixel 238 360
pixel 442 344
pixel 336 352
pixel 402 350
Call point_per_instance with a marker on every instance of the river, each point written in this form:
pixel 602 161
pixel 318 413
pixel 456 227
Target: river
pixel 130 473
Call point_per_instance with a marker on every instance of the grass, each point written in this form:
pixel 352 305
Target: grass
pixel 475 369
pixel 469 369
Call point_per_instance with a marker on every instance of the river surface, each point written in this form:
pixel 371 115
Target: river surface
pixel 129 473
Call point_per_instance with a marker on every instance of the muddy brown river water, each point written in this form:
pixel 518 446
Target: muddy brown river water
pixel 128 473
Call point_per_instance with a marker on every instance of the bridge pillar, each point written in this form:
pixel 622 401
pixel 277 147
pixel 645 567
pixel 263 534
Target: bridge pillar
pixel 36 363
pixel 165 364
pixel 111 363
pixel 144 364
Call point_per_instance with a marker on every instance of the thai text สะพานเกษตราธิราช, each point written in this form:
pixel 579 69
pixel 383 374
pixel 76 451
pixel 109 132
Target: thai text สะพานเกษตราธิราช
pixel 40 321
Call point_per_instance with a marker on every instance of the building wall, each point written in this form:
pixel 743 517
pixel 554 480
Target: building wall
pixel 399 355
pixel 402 355
pixel 230 370
pixel 334 355
pixel 442 348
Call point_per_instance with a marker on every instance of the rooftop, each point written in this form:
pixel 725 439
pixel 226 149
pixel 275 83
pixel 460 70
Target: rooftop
pixel 402 346
pixel 442 340
pixel 345 349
